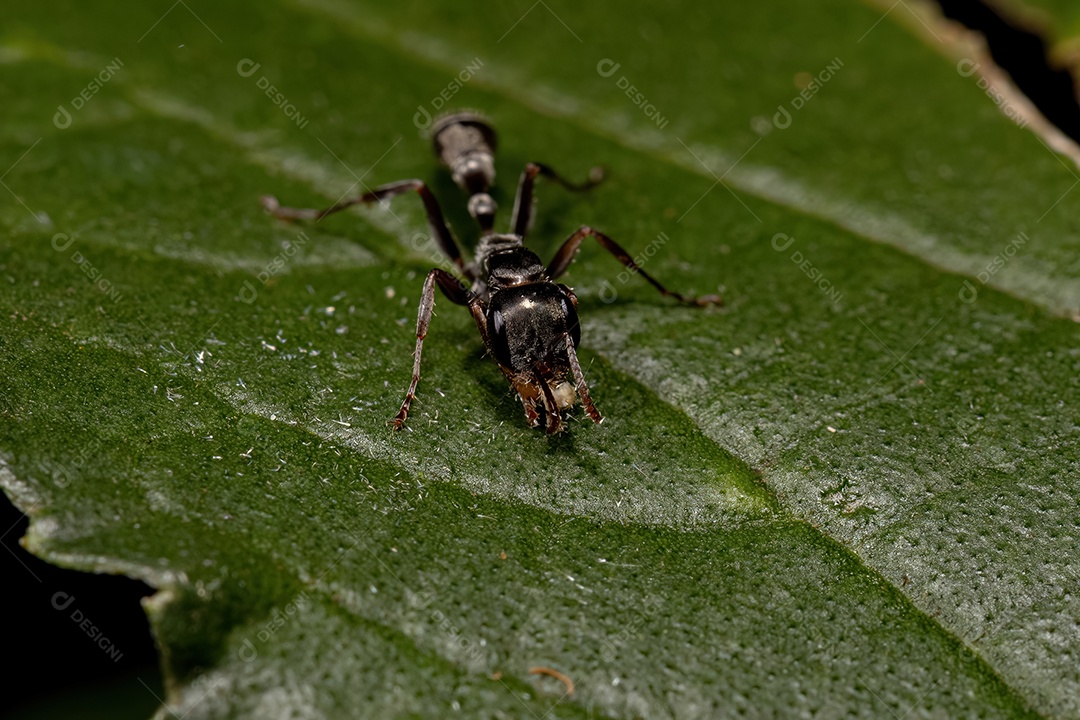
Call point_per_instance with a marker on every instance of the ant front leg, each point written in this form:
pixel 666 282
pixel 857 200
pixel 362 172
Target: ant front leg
pixel 579 381
pixel 569 249
pixel 523 204
pixel 456 292
pixel 384 192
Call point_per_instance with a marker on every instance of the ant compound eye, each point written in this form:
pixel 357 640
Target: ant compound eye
pixel 497 331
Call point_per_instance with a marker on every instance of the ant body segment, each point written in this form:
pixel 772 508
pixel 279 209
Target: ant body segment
pixel 528 321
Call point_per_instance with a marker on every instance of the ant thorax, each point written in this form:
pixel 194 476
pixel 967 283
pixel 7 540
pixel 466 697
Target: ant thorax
pixel 505 262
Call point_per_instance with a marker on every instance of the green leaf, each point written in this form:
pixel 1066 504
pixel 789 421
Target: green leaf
pixel 852 492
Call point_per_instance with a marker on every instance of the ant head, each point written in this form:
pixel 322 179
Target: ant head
pixel 534 330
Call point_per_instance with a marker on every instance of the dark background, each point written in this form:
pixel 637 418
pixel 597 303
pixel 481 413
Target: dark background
pixel 58 671
pixel 1022 52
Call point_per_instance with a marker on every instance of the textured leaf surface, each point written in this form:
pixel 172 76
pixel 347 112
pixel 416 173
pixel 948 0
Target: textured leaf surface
pixel 851 492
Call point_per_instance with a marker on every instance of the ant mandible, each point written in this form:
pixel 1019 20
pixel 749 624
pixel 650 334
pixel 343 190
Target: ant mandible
pixel 528 322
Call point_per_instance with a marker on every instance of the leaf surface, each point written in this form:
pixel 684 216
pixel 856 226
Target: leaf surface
pixel 852 491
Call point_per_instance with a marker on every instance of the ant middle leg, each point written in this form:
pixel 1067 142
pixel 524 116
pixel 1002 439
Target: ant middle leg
pixel 436 220
pixel 569 249
pixel 456 293
pixel 523 203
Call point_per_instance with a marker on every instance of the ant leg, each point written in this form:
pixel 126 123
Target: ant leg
pixel 569 249
pixel 552 415
pixel 384 192
pixel 523 204
pixel 456 292
pixel 579 381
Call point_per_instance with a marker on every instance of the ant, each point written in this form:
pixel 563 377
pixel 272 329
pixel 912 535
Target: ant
pixel 528 322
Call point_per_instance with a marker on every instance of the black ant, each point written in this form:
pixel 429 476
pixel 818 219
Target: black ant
pixel 528 322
